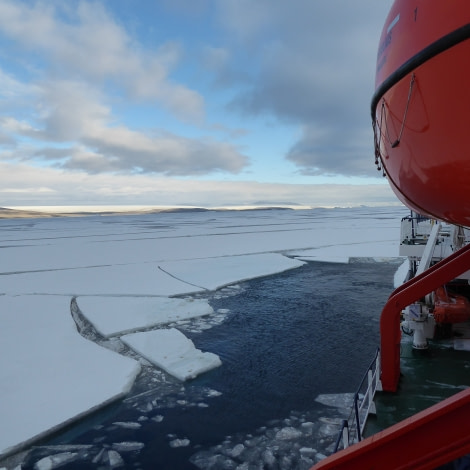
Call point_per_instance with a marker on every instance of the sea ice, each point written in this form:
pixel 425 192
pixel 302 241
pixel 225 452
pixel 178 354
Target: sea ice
pixel 179 443
pixel 115 459
pixel 276 446
pixel 338 400
pixel 127 425
pixel 55 461
pixel 50 375
pixel 173 352
pixel 119 315
pixel 128 446
pixel 288 433
pixel 213 273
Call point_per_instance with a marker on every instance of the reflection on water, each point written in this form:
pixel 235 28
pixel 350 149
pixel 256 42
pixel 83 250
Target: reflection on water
pixel 286 340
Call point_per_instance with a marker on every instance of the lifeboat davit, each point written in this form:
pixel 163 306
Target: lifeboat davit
pixel 421 106
pixel 450 307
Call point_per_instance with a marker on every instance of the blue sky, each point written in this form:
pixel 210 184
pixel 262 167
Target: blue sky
pixel 188 102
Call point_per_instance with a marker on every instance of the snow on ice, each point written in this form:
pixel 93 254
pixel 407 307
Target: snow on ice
pixel 170 350
pixel 122 272
pixel 119 315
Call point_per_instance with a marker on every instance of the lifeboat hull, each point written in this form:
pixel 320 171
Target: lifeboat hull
pixel 450 308
pixel 421 107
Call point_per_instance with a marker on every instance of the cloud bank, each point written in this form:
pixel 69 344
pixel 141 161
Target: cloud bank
pixel 85 91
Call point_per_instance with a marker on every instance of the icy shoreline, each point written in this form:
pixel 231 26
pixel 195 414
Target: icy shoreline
pixel 123 271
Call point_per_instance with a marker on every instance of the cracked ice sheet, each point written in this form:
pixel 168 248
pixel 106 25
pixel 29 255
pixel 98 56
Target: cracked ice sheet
pixel 213 273
pixel 341 253
pixel 50 374
pixel 120 256
pixel 173 352
pixel 119 315
pixel 130 279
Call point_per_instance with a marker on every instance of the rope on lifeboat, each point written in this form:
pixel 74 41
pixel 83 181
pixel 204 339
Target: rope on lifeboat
pixel 377 128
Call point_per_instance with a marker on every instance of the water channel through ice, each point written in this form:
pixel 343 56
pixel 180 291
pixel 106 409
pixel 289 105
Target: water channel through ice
pixel 92 307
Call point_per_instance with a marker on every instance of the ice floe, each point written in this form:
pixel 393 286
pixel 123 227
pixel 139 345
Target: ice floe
pixel 55 461
pixel 41 355
pixel 170 350
pixel 120 315
pixel 213 273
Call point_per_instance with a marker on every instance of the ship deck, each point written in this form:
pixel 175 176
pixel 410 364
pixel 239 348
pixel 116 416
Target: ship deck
pixel 427 377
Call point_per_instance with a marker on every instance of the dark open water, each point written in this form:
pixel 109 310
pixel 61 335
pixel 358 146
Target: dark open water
pixel 286 339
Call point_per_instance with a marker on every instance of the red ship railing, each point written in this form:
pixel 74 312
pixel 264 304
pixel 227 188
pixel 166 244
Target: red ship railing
pixel 431 438
pixel 413 290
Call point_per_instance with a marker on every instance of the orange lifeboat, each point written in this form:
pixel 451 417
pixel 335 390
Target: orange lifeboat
pixel 421 106
pixel 450 307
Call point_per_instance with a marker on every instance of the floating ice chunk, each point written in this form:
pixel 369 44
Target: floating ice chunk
pixel 338 400
pixel 118 315
pixel 243 466
pixel 237 450
pixel 179 443
pixel 329 427
pixel 268 457
pixel 55 461
pixel 288 433
pixel 127 446
pixel 308 451
pixel 173 352
pixel 115 460
pixel 127 425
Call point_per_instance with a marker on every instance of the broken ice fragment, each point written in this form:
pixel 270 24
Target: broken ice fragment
pixel 173 352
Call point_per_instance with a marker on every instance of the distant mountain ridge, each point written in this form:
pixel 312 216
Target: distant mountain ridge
pixel 16 213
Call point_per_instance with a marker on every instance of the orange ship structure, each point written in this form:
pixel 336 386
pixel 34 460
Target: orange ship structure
pixel 421 122
pixel 450 307
pixel 421 117
pixel 420 108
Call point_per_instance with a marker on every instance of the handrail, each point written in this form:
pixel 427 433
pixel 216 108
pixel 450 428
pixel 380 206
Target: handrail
pixel 416 288
pixel 359 411
pixel 433 437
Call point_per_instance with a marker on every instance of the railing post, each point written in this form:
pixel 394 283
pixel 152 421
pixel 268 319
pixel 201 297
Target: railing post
pixel 358 421
pixel 378 370
pixel 345 434
pixel 359 413
pixel 370 385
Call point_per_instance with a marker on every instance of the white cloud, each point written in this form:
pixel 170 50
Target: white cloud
pixel 312 64
pixel 86 43
pixel 13 126
pixel 25 185
pixel 86 99
pixel 72 113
